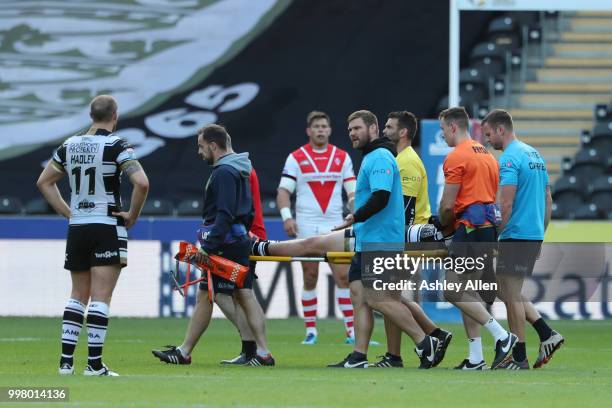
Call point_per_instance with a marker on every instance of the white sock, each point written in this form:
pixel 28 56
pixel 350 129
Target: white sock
pixel 183 353
pixel 496 329
pixel 475 356
pixel 263 352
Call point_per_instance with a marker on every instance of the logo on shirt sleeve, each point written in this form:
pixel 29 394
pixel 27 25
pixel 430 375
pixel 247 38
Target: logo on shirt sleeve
pixel 131 155
pixel 381 171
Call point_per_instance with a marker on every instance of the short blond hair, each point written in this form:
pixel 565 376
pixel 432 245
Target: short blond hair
pixel 368 117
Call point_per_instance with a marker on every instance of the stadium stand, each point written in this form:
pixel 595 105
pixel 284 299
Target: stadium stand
pixel 158 207
pixel 551 70
pixel 10 205
pixel 38 206
pixel 269 208
pixel 189 208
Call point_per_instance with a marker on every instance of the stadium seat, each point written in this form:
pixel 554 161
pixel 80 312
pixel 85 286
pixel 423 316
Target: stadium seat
pixel 602 128
pixel 568 192
pixel 490 50
pixel 560 211
pixel 588 163
pixel 588 211
pixel 603 112
pixel 534 33
pixel 470 99
pixel 191 207
pixel 503 30
pixel 489 66
pixel 601 192
pixel 524 17
pixel 475 76
pixel 38 206
pixel 601 142
pixel 600 136
pixel 269 208
pixel 474 82
pixel 157 206
pixel 10 205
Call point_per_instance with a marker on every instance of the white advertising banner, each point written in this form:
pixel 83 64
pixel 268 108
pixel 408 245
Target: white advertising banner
pixel 34 283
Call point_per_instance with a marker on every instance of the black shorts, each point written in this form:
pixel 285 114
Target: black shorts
pixel 354 273
pixel 250 279
pixel 517 257
pixel 478 243
pixel 238 252
pixel 95 245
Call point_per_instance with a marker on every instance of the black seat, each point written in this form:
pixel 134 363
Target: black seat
pixel 157 206
pixel 588 163
pixel 587 211
pixel 601 192
pixel 588 141
pixel 503 30
pixel 38 206
pixel 560 211
pixel 474 82
pixel 600 136
pixel 475 76
pixel 269 208
pixel 10 205
pixel 489 66
pixel 603 112
pixel 569 192
pixel 470 97
pixel 490 50
pixel 189 207
pixel 602 128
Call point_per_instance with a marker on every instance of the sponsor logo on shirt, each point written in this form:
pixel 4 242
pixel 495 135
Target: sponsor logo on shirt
pixel 411 178
pixel 86 206
pixel 381 171
pixel 83 147
pixel 106 254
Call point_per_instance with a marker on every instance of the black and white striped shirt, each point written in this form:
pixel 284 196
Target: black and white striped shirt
pixel 93 164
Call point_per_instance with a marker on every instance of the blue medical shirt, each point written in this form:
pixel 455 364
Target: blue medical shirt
pixel 522 166
pixel 385 229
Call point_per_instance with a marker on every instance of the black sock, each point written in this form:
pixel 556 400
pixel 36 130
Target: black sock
pixel 544 331
pixel 436 333
pixel 394 357
pixel 519 353
pixel 249 348
pixel 359 356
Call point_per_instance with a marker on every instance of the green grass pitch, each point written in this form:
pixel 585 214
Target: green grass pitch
pixel 580 374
